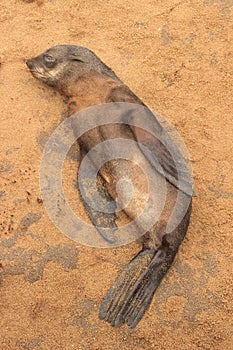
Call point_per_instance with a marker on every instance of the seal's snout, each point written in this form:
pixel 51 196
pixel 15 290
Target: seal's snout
pixel 29 63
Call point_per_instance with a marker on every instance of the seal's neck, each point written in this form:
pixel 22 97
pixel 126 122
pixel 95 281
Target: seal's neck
pixel 89 90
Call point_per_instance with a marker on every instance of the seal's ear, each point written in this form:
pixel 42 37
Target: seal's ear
pixel 73 57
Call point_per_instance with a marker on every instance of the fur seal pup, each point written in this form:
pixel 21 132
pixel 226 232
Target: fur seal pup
pixel 77 73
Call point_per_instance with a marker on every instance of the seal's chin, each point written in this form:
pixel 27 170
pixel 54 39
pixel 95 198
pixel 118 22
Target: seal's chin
pixel 37 74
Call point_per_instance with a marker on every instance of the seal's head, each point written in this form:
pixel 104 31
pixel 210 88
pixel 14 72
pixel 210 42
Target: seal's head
pixel 61 64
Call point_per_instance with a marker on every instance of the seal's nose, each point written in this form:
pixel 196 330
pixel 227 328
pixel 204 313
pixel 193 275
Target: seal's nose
pixel 29 64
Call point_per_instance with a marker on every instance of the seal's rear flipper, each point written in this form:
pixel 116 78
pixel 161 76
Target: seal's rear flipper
pixel 133 290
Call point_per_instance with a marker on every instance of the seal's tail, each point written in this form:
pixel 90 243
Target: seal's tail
pixel 133 290
pixel 131 294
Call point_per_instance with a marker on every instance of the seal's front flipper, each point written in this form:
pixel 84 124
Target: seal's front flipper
pixel 102 220
pixel 132 292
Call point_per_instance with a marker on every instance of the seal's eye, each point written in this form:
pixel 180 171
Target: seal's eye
pixel 49 61
pixel 48 58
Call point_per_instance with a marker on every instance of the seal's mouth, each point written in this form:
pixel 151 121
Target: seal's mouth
pixel 36 70
pixel 40 72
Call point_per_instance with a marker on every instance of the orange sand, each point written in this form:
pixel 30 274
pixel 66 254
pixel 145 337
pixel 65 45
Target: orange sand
pixel 177 57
